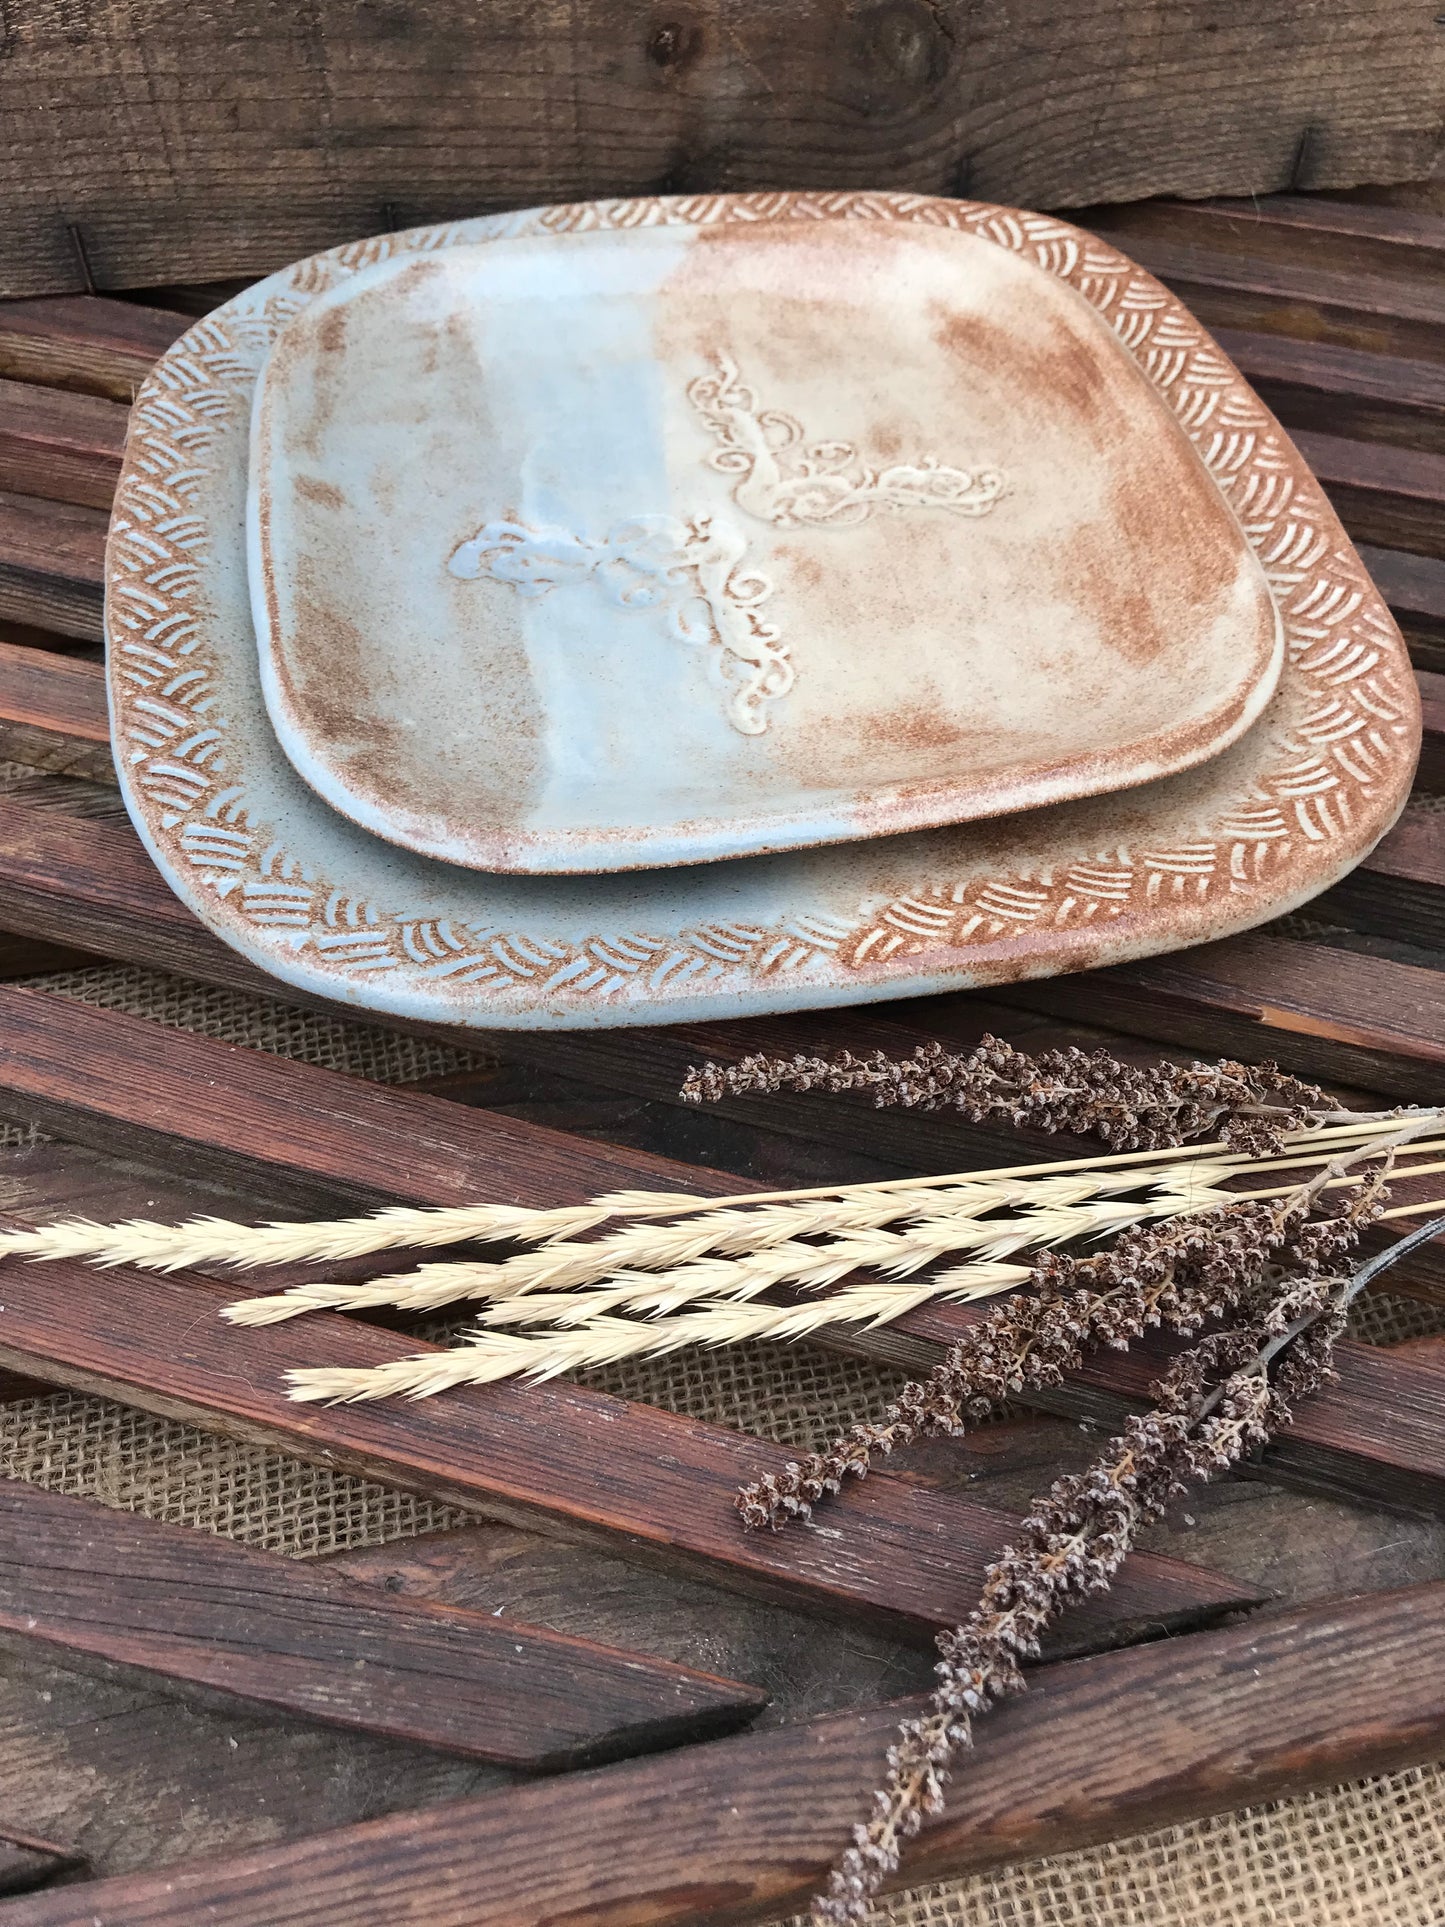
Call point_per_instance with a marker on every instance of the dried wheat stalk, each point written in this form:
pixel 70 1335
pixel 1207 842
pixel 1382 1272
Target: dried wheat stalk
pixel 1104 1108
pixel 1056 1211
pixel 1169 1271
pixel 770 1241
pixel 484 1356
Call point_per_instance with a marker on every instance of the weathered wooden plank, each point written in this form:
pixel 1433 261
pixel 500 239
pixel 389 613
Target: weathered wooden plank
pixel 1316 385
pixel 52 566
pixel 85 343
pixel 1414 587
pixel 1394 497
pixel 743 1829
pixel 53 713
pixel 1293 229
pixel 1431 773
pixel 299 1637
pixel 171 174
pixel 1376 313
pixel 1400 891
pixel 101 1076
pixel 553 1457
pixel 64 447
pixel 1329 1013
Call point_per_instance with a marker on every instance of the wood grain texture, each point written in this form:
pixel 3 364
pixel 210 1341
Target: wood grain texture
pixel 1382 314
pixel 1343 392
pixel 1431 773
pixel 1325 1012
pixel 66 448
pixel 1401 890
pixel 1414 587
pixel 193 142
pixel 555 1457
pixel 1312 230
pixel 1394 497
pixel 51 563
pixel 85 343
pixel 743 1829
pixel 298 1637
pixel 53 713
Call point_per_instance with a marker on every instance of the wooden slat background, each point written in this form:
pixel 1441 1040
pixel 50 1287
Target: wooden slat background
pixel 199 138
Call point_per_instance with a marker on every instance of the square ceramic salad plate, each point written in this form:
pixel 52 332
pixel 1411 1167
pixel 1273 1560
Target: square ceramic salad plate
pixel 1255 818
pixel 644 545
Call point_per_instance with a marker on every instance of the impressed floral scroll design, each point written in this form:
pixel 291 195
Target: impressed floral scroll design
pixel 692 570
pixel 788 481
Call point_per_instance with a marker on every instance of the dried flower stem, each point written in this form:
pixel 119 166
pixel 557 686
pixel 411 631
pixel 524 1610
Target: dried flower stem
pixel 1092 1093
pixel 1178 1274
pixel 1076 1538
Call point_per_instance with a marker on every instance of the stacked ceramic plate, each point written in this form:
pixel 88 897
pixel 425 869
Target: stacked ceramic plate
pixel 645 610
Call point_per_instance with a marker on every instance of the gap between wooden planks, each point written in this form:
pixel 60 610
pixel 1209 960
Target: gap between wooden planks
pixel 95 1583
pixel 744 1829
pixel 114 1080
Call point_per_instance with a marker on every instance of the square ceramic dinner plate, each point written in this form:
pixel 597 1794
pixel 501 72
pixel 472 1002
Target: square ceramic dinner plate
pixel 325 905
pixel 624 546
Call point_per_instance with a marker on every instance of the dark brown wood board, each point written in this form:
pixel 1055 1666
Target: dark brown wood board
pixel 84 343
pixel 1374 312
pixel 294 1635
pixel 1343 392
pixel 1326 231
pixel 1403 885
pixel 64 448
pixel 203 141
pixel 555 1457
pixel 743 1828
pixel 51 555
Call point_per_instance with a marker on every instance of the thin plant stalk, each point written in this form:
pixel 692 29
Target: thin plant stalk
pixel 1077 1536
pixel 212 1240
pixel 791 1262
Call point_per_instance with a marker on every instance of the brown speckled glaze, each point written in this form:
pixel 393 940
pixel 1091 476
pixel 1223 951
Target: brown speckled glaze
pixel 612 549
pixel 1242 837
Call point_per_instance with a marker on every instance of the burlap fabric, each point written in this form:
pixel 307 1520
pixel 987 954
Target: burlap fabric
pixel 1370 1852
